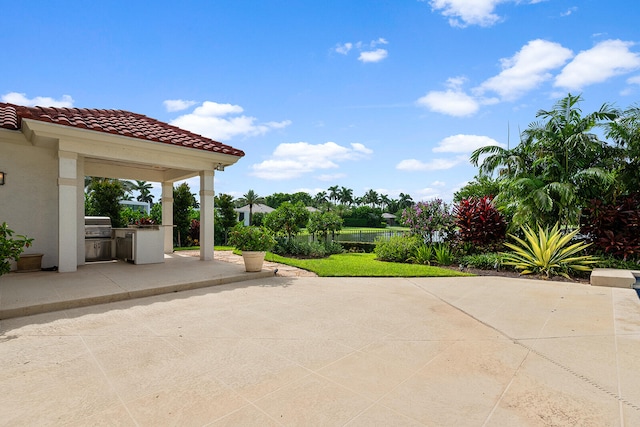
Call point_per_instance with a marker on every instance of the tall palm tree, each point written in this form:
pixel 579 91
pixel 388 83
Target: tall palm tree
pixel 320 199
pixel 372 197
pixel 334 192
pixel 251 198
pixel 345 195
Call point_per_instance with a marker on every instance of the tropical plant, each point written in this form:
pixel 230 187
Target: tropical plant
pixel 227 218
pixel 398 248
pixel 287 219
pixel 423 255
pixel 625 132
pixel 144 188
pixel 11 247
pixel 480 186
pixel 104 196
pixel 251 238
pixel 558 165
pixel 614 227
pixel 431 220
pixel 184 201
pixel 334 193
pixel 443 254
pixel 479 223
pixel 549 252
pixel 323 223
pixel 345 195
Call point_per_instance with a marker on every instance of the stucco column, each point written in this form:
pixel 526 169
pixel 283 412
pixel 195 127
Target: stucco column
pixel 167 216
pixel 206 215
pixel 67 212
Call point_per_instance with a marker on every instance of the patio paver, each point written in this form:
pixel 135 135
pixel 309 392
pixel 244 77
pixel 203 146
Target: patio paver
pixel 279 351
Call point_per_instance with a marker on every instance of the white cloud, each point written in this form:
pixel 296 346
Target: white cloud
pixel 462 13
pixel 526 69
pixel 427 193
pixel 344 48
pixel 569 11
pixel 41 101
pixel 635 80
pixel 438 183
pixel 432 165
pixel 172 105
pixel 373 56
pixel 209 120
pixel 464 143
pixel 368 51
pixel 605 60
pixel 292 160
pixel 452 102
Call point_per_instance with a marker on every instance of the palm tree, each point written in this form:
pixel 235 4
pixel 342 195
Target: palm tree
pixel 371 197
pixel 145 191
pixel 625 132
pixel 320 199
pixel 384 201
pixel 405 201
pixel 557 164
pixel 251 198
pixel 345 195
pixel 333 192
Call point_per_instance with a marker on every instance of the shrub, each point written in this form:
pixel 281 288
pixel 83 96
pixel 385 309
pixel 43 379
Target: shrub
pixel 480 223
pixel 362 247
pixel 484 261
pixel 614 228
pixel 251 238
pixel 397 248
pixel 193 239
pixel 10 247
pixel 430 219
pixel 295 248
pixel 547 253
pixel 333 247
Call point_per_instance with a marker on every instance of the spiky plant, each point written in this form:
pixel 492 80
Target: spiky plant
pixel 548 252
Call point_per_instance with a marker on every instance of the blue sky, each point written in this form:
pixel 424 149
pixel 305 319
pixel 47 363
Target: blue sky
pixel 385 95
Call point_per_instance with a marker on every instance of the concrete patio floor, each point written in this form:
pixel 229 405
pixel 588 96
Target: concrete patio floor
pixel 332 351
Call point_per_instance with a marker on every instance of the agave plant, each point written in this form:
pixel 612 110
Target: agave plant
pixel 548 252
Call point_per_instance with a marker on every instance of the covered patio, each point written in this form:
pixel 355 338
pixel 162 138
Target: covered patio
pixel 45 153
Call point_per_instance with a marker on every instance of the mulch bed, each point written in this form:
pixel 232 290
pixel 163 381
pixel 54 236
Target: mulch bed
pixel 516 275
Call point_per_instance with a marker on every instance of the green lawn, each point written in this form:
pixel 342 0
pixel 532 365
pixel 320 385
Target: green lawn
pixel 363 265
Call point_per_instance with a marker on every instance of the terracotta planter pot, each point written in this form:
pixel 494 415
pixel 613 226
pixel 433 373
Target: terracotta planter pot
pixel 253 260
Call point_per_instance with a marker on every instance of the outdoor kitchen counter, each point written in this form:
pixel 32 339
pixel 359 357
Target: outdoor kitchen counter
pixel 147 244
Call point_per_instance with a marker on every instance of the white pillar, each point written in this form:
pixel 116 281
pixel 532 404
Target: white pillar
pixel 206 215
pixel 67 212
pixel 167 216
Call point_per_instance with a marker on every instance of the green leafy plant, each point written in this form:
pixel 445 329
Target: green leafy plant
pixel 251 238
pixel 423 255
pixel 397 248
pixel 548 252
pixel 11 247
pixel 443 254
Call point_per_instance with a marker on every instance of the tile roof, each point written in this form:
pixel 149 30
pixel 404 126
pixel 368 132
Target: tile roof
pixel 117 122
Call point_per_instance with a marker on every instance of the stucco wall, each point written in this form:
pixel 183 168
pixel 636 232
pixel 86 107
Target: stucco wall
pixel 29 198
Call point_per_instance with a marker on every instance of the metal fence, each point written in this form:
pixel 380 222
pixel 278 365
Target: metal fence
pixel 359 235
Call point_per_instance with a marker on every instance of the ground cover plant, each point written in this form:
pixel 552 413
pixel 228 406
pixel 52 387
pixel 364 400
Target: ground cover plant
pixel 363 265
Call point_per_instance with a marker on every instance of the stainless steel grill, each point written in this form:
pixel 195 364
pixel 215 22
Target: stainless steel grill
pixel 98 238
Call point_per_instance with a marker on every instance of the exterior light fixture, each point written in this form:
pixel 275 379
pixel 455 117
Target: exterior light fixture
pixel 2 175
pixel 220 167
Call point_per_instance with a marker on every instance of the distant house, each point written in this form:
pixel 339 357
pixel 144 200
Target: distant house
pixel 389 218
pixel 243 212
pixel 45 153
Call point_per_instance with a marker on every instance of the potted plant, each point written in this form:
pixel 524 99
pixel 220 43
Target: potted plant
pixel 11 247
pixel 253 242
